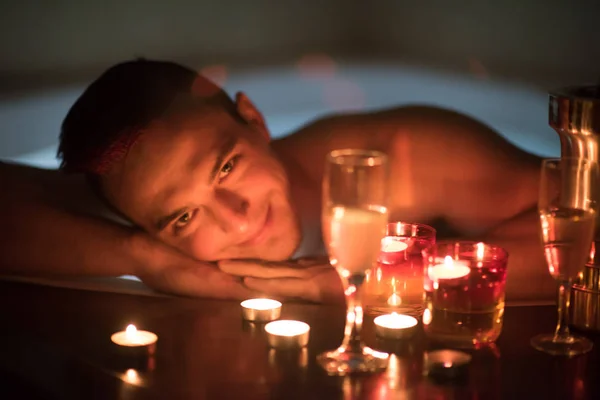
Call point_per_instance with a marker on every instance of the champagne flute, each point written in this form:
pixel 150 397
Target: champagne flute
pixel 568 206
pixel 354 221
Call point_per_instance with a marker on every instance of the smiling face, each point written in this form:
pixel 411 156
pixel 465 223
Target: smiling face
pixel 208 185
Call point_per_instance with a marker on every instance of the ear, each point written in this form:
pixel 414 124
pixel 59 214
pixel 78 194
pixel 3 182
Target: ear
pixel 249 113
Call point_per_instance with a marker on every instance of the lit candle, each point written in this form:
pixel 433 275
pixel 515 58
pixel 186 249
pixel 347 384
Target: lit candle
pixel 131 337
pixel 392 245
pixel 392 250
pixel 449 269
pixel 395 326
pixel 287 333
pixel 261 310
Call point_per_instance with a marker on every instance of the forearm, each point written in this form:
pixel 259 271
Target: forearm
pixel 528 276
pixel 39 239
pixel 41 233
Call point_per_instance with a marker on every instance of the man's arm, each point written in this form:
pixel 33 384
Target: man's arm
pixel 42 235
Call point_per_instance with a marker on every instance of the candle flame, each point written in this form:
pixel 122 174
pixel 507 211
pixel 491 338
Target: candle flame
pixel 130 330
pixel 480 251
pixel 448 261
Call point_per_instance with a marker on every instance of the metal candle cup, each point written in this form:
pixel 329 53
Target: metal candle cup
pixel 134 349
pixel 395 326
pixel 261 310
pixel 287 334
pixel 131 337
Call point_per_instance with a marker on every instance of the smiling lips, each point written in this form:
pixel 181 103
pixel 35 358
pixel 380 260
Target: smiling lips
pixel 260 234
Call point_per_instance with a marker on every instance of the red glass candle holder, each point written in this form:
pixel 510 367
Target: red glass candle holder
pixel 395 284
pixel 464 291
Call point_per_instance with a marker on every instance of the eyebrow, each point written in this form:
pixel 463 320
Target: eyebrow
pixel 222 149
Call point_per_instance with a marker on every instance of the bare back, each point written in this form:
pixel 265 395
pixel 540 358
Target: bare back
pixel 445 167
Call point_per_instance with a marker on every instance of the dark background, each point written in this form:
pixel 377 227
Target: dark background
pixel 494 60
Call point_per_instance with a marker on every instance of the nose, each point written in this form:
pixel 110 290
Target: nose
pixel 230 211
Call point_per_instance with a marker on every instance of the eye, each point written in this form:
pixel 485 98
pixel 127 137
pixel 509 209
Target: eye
pixel 184 220
pixel 227 168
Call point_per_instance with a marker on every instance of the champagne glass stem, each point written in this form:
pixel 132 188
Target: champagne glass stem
pixel 354 316
pixel 564 298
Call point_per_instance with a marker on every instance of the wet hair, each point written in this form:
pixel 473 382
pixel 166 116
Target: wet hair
pixel 110 115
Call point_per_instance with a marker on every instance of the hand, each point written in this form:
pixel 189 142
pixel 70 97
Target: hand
pixel 167 270
pixel 312 279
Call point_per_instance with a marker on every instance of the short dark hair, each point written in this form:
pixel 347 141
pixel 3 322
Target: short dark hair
pixel 108 117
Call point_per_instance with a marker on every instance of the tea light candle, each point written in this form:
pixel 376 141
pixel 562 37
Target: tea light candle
pixel 287 333
pixel 131 337
pixel 261 310
pixel 395 326
pixel 392 245
pixel 446 364
pixel 450 269
pixel 392 250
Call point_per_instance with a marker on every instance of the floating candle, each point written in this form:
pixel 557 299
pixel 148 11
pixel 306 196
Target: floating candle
pixel 395 326
pixel 450 269
pixel 287 333
pixel 392 245
pixel 261 310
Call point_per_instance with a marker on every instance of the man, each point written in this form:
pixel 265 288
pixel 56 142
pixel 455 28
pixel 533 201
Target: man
pixel 203 191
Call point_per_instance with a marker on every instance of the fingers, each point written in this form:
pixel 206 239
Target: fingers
pixel 326 287
pixel 285 288
pixel 199 282
pixel 259 270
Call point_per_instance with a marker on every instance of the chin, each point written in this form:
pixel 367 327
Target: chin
pixel 281 247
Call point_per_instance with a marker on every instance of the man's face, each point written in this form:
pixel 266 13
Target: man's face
pixel 209 186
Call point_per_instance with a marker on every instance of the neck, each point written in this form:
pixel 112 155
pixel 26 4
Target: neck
pixel 305 195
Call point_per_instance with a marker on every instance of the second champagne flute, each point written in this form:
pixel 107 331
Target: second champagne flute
pixel 355 216
pixel 568 206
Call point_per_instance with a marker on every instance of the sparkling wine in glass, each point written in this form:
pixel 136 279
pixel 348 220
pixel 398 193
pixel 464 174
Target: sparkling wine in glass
pixel 354 221
pixel 568 206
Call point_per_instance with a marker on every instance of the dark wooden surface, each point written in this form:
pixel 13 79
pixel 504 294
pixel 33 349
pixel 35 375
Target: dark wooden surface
pixel 55 344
